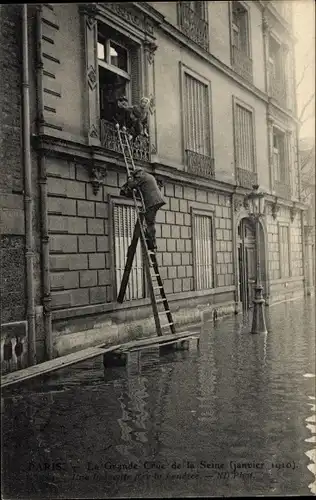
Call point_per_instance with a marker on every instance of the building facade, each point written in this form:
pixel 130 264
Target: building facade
pixel 221 76
pixel 307 167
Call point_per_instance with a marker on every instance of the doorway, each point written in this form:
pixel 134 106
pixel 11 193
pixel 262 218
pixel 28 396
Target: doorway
pixel 246 245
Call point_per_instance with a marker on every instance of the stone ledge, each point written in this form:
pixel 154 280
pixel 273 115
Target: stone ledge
pixel 116 332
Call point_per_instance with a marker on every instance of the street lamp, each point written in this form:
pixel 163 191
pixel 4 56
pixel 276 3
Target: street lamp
pixel 256 208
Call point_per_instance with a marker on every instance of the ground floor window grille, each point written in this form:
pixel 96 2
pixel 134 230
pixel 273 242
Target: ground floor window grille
pixel 284 251
pixel 124 223
pixel 203 246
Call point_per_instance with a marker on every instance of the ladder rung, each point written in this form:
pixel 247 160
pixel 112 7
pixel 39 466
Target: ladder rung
pixel 161 300
pixel 167 324
pixel 164 312
pixel 157 287
pixel 156 274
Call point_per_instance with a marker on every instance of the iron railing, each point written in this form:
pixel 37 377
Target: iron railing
pixel 246 178
pixel 192 25
pixel 200 165
pixel 110 141
pixel 242 64
pixel 282 189
pixel 277 90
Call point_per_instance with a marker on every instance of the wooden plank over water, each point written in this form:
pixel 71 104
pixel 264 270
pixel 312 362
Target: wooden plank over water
pixel 54 364
pixel 156 340
pixel 91 352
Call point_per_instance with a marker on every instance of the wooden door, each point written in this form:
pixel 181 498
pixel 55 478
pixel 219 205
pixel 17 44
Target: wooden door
pixel 247 262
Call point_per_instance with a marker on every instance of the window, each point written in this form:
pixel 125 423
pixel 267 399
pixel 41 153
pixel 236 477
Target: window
pixel 197 126
pixel 198 8
pixel 119 73
pixel 240 30
pixel 203 251
pixel 275 58
pixel 245 154
pixel 192 20
pixel 284 251
pixel 277 62
pixel 124 222
pixel 279 165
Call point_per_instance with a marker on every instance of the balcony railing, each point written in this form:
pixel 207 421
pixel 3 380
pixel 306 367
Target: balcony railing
pixel 246 178
pixel 192 25
pixel 110 141
pixel 277 90
pixel 242 64
pixel 282 189
pixel 199 164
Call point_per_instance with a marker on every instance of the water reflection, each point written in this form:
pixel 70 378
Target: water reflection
pixel 173 424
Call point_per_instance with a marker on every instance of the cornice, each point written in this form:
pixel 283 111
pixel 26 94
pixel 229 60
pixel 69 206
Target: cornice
pixel 150 11
pixel 186 178
pixel 285 24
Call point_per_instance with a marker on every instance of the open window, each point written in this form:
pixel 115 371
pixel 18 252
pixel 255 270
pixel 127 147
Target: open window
pixel 119 70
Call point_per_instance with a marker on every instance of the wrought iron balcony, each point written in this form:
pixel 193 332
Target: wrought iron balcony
pixel 282 189
pixel 200 165
pixel 277 88
pixel 242 64
pixel 192 25
pixel 246 178
pixel 110 141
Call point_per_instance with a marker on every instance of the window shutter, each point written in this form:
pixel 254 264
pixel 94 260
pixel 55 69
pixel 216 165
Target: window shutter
pixel 196 116
pixel 203 252
pixel 124 224
pixel 136 80
pixel 244 139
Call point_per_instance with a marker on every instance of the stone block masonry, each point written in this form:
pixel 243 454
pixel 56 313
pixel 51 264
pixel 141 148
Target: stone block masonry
pixel 81 247
pixel 79 244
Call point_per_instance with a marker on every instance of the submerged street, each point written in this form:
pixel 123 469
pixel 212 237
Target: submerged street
pixel 235 417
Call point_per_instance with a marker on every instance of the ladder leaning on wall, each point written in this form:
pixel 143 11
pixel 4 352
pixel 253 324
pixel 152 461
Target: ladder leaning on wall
pixel 155 283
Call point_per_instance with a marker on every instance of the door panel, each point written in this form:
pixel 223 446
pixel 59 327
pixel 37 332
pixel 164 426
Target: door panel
pixel 251 273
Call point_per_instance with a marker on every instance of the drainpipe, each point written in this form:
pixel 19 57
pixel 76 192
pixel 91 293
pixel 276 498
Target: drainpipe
pixel 28 194
pixel 46 297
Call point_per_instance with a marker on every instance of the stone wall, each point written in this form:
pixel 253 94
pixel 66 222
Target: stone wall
pixel 12 242
pixel 283 216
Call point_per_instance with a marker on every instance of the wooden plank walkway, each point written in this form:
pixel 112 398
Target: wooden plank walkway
pixel 91 352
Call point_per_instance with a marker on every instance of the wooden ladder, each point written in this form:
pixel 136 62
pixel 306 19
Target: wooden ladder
pixel 154 280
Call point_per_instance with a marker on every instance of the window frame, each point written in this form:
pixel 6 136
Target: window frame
pixel 184 69
pixel 114 201
pixel 246 8
pixel 249 108
pixel 278 65
pixel 110 67
pixel 211 215
pixel 287 225
pixel 285 166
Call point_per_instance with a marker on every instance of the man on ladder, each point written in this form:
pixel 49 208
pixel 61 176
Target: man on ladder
pixel 153 200
pixel 144 184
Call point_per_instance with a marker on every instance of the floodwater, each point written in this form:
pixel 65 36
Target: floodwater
pixel 235 417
